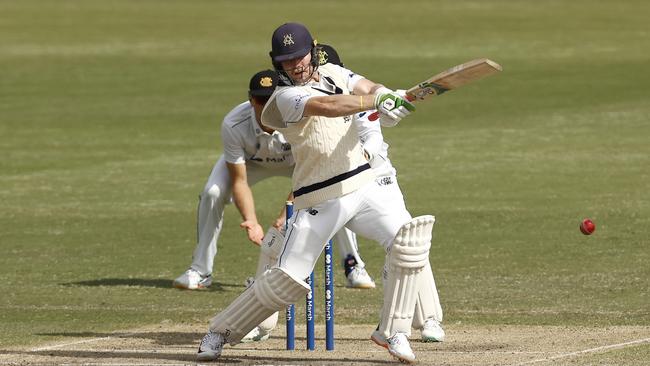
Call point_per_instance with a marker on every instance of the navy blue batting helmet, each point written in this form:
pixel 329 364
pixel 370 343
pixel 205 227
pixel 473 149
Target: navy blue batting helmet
pixel 289 41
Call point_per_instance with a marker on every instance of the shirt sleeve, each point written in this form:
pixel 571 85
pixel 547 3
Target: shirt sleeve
pixel 350 77
pixel 291 103
pixel 233 147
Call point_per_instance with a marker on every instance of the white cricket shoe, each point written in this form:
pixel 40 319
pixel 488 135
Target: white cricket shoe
pixel 193 280
pixel 256 335
pixel 399 347
pixel 210 347
pixel 359 278
pixel 432 331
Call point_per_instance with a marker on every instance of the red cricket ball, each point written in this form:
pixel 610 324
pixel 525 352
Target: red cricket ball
pixel 587 227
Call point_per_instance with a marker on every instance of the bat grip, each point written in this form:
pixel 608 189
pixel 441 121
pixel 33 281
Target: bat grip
pixel 375 115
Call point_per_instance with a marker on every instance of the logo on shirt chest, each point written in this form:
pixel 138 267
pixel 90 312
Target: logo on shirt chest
pixel 269 159
pixel 280 159
pixel 298 101
pixel 385 181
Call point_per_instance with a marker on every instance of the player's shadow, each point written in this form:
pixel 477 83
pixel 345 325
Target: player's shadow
pixel 144 282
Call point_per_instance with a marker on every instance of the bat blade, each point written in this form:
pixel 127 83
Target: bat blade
pixel 452 78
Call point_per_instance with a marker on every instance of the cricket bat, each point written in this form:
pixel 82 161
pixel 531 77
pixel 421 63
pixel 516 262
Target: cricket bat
pixel 450 79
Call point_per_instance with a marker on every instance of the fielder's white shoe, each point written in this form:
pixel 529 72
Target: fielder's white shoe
pixel 193 280
pixel 210 347
pixel 256 335
pixel 359 278
pixel 432 331
pixel 399 347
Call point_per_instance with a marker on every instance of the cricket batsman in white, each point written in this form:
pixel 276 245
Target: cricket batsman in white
pixel 428 311
pixel 333 187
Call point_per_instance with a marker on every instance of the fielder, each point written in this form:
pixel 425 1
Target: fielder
pixel 333 187
pixel 252 152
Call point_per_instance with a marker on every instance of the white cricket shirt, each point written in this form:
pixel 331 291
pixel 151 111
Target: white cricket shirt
pixel 244 141
pixel 329 159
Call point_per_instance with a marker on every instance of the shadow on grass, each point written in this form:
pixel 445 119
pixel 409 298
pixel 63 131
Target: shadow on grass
pixel 145 282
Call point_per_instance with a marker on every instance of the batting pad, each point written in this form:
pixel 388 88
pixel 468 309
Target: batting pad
pixel 271 291
pixel 427 304
pixel 408 256
pixel 271 247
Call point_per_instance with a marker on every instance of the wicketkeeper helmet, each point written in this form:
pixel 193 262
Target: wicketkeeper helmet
pixel 327 54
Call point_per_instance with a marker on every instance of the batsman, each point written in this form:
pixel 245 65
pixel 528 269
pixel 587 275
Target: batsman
pixel 333 187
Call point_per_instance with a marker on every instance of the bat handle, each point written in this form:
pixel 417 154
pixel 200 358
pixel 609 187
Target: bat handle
pixel 375 115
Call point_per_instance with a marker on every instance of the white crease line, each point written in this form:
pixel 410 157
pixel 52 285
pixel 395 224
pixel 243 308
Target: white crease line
pixel 127 364
pixel 118 335
pixel 69 344
pixel 487 352
pixel 602 348
pixel 183 350
pixel 231 351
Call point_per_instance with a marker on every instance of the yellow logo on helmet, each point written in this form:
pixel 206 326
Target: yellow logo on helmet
pixel 266 82
pixel 322 57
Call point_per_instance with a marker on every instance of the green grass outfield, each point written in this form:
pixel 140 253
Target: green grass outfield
pixel 109 126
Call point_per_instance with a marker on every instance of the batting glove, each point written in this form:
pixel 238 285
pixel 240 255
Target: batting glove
pixel 401 93
pixel 393 105
pixel 386 121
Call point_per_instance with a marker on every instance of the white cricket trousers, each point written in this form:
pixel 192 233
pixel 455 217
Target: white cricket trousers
pixel 217 193
pixel 375 211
